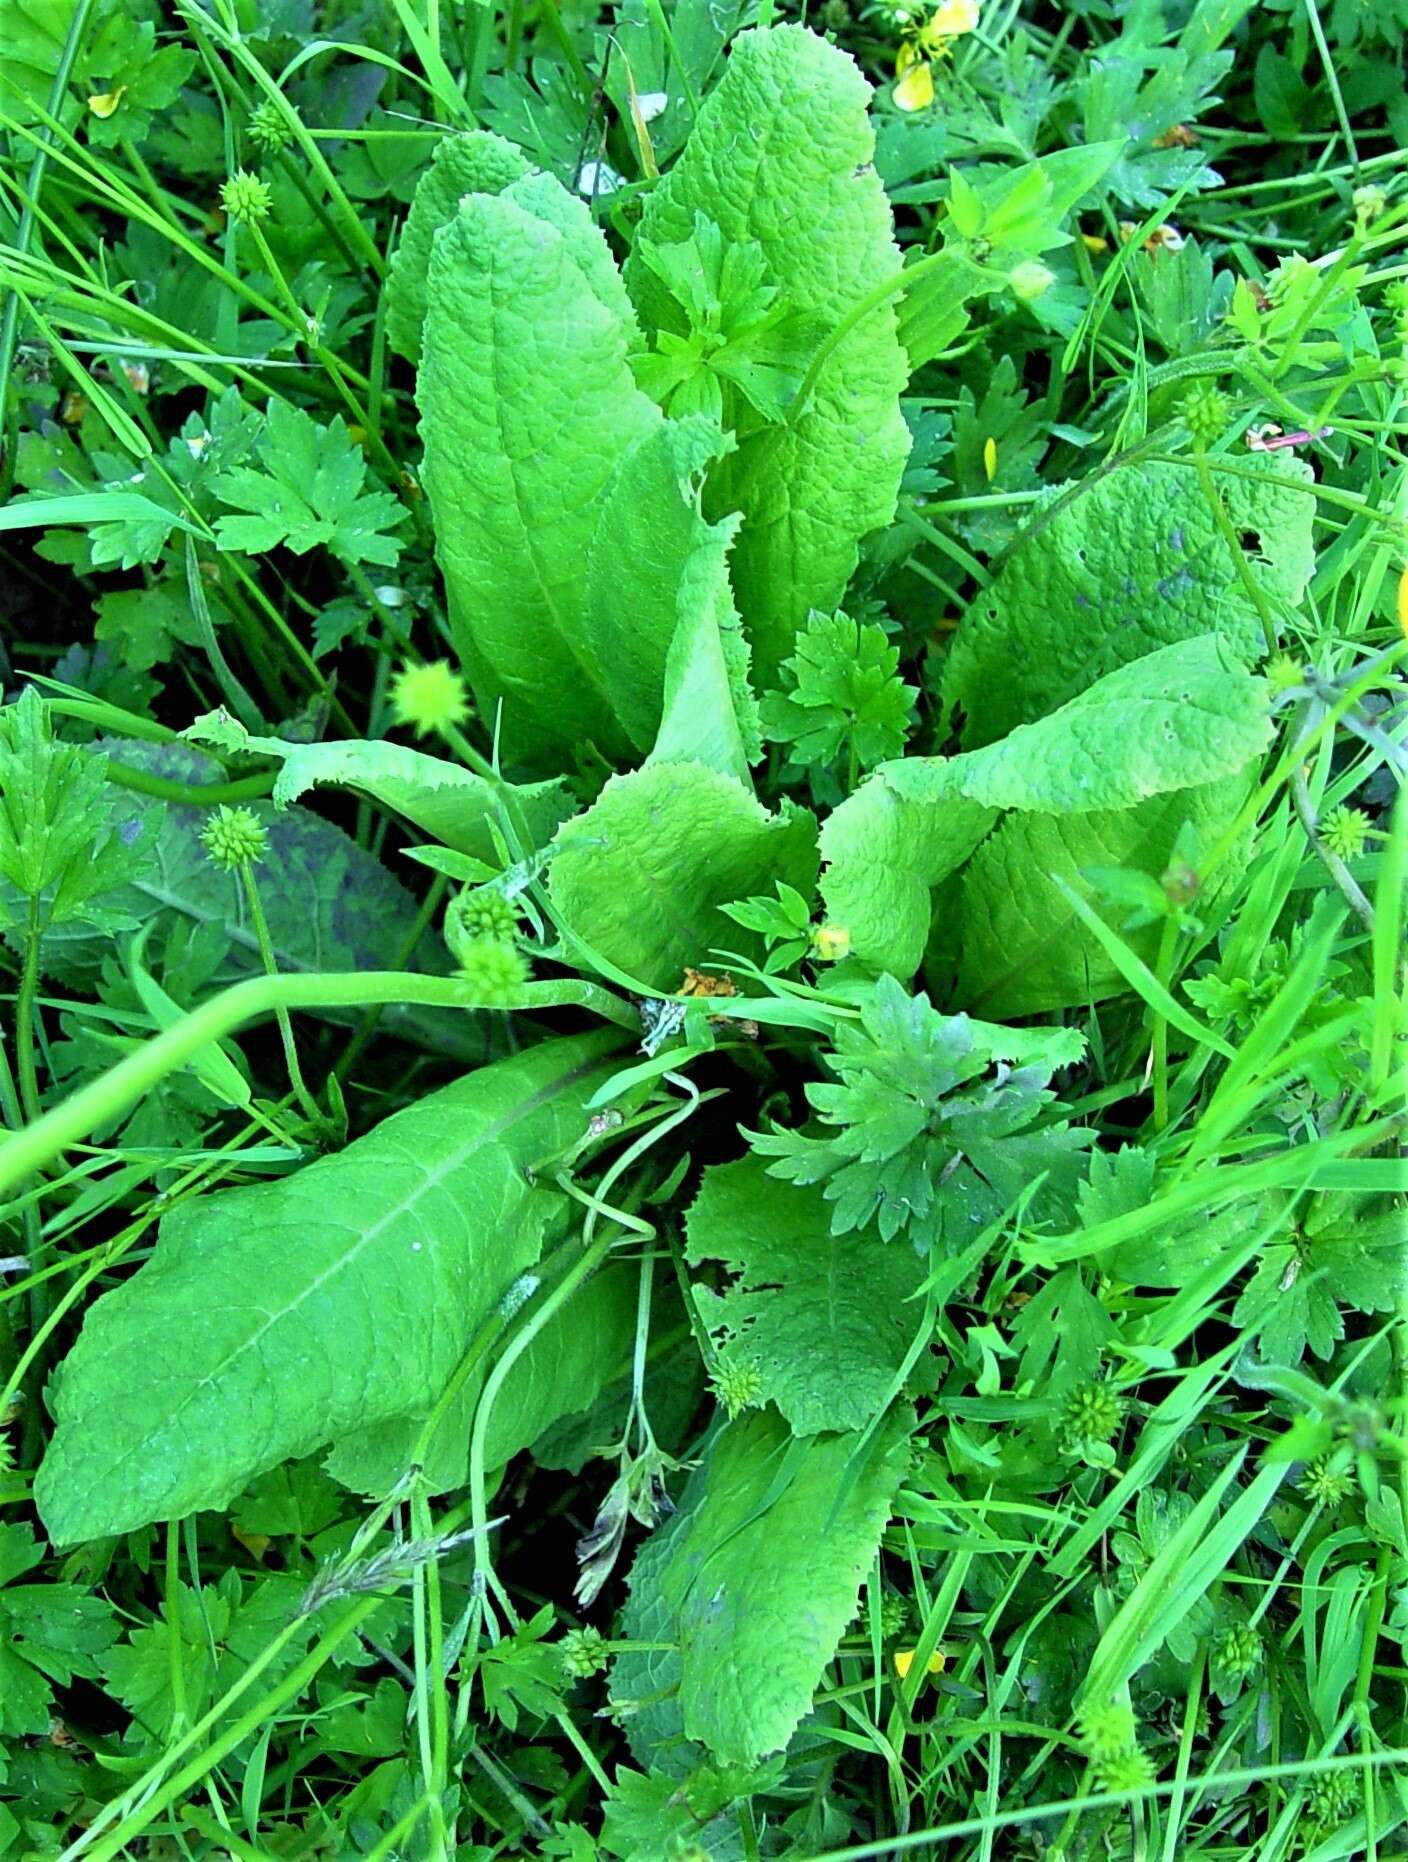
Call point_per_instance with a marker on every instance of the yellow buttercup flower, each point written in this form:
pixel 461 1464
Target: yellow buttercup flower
pixel 914 73
pixel 914 87
pixel 952 19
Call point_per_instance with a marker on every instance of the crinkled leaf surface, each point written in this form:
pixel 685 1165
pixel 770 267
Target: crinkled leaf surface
pixel 552 476
pixel 710 714
pixel 1182 715
pixel 444 799
pixel 822 1318
pixel 1136 560
pixel 641 875
pixel 1023 949
pixel 758 1574
pixel 781 153
pixel 477 163
pixel 272 1320
pixel 901 833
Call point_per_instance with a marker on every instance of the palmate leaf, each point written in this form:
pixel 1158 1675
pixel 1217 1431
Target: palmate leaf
pixel 310 491
pixel 822 1320
pixel 757 1576
pixel 67 843
pixel 781 154
pixel 48 1633
pixel 566 505
pixel 931 1134
pixel 271 1321
pixel 1136 561
pixel 844 694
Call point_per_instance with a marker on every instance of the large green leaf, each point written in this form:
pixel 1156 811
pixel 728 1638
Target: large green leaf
pixel 823 1320
pixel 477 163
pixel 272 1320
pixel 443 799
pixel 1182 715
pixel 901 833
pixel 566 506
pixel 1023 948
pixel 1134 561
pixel 781 155
pixel 579 1351
pixel 641 875
pixel 758 1574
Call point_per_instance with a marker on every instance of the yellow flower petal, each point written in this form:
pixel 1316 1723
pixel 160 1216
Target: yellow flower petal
pixel 107 101
pixel 953 17
pixel 990 458
pixel 914 90
pixel 904 1661
pixel 1403 603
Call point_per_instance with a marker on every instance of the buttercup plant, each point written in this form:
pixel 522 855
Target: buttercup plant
pixel 702 852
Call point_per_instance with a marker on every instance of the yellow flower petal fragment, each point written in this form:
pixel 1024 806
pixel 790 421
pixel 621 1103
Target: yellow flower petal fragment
pixel 904 1661
pixel 952 18
pixel 1403 603
pixel 990 458
pixel 106 102
pixel 914 89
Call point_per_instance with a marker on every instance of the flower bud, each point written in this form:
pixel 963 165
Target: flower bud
pixel 1030 280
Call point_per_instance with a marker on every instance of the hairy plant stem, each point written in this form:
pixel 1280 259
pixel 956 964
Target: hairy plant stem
pixel 310 1106
pixel 123 1085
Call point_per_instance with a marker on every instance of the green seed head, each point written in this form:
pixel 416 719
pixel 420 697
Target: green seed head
pixel 496 972
pixel 1092 1413
pixel 479 913
pixel 1284 674
pixel 267 129
pixel 429 698
pixel 1344 831
pixel 1331 1799
pixel 1125 1771
pixel 246 198
pixel 1107 1731
pixel 1327 1486
pixel 894 1614
pixel 583 1652
pixel 232 836
pixel 1237 1651
pixel 1205 411
pixel 738 1386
